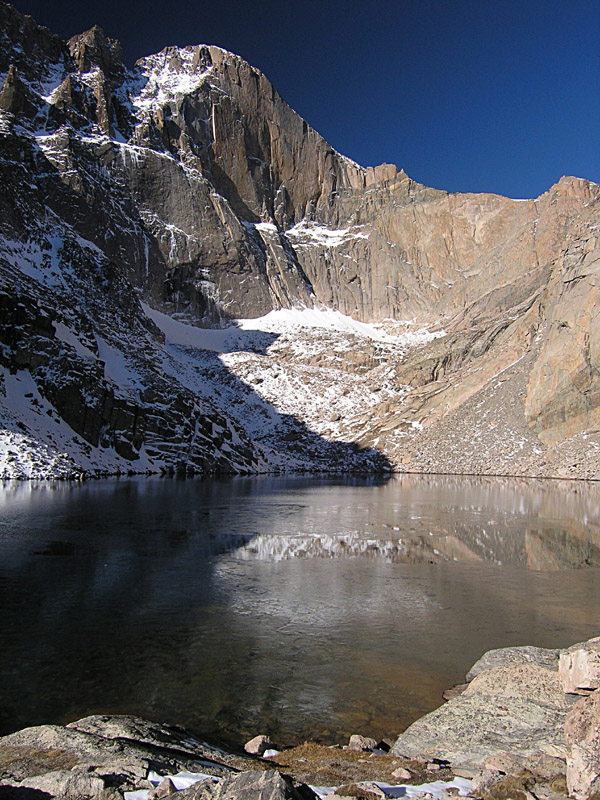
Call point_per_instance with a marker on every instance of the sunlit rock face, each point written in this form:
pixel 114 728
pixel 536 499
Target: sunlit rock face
pixel 188 183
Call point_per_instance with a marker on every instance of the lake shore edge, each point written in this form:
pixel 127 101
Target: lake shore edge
pixel 525 725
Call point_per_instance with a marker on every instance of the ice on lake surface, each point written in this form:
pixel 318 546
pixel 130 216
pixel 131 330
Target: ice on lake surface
pixel 302 607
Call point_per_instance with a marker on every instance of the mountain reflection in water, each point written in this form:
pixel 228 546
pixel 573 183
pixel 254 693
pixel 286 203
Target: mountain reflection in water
pixel 555 526
pixel 540 549
pixel 303 607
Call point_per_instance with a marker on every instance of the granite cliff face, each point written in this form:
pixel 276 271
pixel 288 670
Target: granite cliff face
pixel 139 206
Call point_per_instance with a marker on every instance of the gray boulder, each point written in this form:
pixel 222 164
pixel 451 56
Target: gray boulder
pixel 579 667
pixel 358 742
pixel 505 656
pixel 67 784
pixel 249 785
pixel 258 745
pixel 518 709
pixel 582 733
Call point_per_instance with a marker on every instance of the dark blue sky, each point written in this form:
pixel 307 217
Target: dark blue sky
pixel 466 95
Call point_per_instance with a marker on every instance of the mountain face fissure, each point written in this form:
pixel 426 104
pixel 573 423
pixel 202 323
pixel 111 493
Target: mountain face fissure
pixel 396 326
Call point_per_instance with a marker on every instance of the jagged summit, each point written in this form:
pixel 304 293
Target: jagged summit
pixel 185 191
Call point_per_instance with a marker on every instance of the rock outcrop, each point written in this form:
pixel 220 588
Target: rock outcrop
pixel 189 183
pixel 508 656
pixel 582 733
pixel 102 757
pixel 520 709
pixel 579 667
pixel 516 719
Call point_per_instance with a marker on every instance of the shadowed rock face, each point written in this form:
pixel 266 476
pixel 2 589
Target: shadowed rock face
pixel 193 184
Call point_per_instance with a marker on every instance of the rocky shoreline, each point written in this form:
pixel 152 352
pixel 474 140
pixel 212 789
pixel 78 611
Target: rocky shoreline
pixel 525 725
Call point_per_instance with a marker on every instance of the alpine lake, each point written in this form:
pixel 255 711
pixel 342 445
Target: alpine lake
pixel 305 608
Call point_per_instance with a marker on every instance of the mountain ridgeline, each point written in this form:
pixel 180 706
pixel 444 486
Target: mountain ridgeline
pixel 141 206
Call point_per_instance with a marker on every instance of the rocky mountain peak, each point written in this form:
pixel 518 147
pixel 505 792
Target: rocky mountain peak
pixel 24 43
pixel 579 188
pixel 93 50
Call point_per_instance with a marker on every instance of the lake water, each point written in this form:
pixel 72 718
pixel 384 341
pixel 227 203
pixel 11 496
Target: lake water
pixel 302 607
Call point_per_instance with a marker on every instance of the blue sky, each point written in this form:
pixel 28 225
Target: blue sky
pixel 466 95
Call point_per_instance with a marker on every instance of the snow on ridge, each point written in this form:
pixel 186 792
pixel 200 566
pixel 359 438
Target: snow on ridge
pixel 51 81
pixel 159 81
pixel 325 236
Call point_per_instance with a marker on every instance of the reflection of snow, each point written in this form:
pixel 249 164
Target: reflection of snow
pixel 280 548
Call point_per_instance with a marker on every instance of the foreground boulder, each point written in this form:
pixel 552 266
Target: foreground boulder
pixel 582 734
pixel 68 785
pixel 518 709
pixel 505 656
pixel 249 785
pixel 579 667
pixel 101 756
pixel 358 742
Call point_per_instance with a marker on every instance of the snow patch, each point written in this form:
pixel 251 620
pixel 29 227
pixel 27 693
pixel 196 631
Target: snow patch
pixel 67 336
pixel 285 320
pixel 35 442
pixel 265 227
pixel 118 368
pixel 437 789
pixel 161 79
pixel 310 232
pixel 41 264
pixel 52 80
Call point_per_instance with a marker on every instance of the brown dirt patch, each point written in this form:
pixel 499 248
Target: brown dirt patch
pixel 17 763
pixel 331 766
